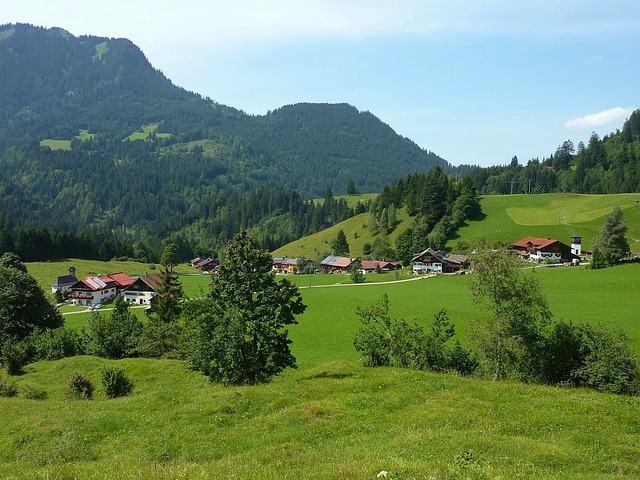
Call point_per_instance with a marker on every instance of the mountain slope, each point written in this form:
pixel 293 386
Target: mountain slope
pixel 56 84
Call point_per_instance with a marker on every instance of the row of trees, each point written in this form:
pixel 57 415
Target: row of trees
pixel 607 165
pixel 514 339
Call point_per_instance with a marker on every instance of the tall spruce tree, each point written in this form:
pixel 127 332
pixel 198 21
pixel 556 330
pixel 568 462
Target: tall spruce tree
pixel 166 304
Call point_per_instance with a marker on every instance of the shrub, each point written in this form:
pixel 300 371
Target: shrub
pixel 7 389
pixel 54 344
pixel 590 356
pixel 114 336
pixel 115 382
pixel 80 387
pixel 159 339
pixel 32 392
pixel 16 355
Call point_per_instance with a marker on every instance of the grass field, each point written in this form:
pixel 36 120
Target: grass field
pixel 56 144
pixel 506 218
pixel 334 420
pixel 512 217
pixel 332 417
pixel 147 130
pixel 318 245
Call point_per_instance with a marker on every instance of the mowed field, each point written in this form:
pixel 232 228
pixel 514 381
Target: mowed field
pixel 509 218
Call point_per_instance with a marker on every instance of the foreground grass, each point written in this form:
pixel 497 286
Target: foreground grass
pixel 332 420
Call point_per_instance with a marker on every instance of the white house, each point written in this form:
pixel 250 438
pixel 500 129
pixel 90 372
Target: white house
pixel 142 290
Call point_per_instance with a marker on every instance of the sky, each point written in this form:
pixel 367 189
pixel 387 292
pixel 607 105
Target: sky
pixel 474 81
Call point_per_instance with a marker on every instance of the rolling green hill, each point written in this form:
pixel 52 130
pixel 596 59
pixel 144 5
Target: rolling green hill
pixel 506 218
pixel 509 218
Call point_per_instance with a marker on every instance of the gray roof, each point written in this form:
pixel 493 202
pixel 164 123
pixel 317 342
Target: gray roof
pixel 65 280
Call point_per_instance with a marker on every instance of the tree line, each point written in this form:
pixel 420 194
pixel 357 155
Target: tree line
pixel 605 165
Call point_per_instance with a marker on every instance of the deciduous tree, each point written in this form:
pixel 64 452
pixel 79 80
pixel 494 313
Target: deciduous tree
pixel 612 245
pixel 517 309
pixel 23 304
pixel 239 331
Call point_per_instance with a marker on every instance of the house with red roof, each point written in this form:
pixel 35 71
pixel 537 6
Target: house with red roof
pixel 539 250
pixel 371 266
pixel 94 290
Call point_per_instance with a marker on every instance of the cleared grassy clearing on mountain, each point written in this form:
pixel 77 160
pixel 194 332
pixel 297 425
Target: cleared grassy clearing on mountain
pixel 509 218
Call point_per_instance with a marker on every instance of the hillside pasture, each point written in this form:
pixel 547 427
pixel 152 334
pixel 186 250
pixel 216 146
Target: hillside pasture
pixel 54 144
pixel 318 245
pixel 508 218
pixel 332 420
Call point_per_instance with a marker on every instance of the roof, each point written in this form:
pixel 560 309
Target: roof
pixel 120 278
pixel 204 262
pixel 113 280
pixel 437 255
pixel 65 280
pixel 152 281
pixel 372 264
pixel 457 258
pixel 535 242
pixel 336 261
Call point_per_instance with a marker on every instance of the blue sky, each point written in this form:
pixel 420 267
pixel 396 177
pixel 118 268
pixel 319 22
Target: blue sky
pixel 473 81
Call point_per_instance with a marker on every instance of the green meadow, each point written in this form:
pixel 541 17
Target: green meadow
pixel 509 218
pixel 147 130
pixel 506 218
pixel 332 417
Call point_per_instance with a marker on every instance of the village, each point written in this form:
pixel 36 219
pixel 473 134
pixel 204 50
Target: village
pixel 94 291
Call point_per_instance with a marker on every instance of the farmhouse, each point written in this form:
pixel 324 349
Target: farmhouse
pixel 142 290
pixel 538 250
pixel 370 266
pixel 432 261
pixel 65 282
pixel 205 264
pixel 286 265
pixel 94 290
pixel 336 264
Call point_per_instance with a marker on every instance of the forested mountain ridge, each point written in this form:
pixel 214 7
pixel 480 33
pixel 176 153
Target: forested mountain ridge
pixel 55 84
pixel 605 165
pixel 74 157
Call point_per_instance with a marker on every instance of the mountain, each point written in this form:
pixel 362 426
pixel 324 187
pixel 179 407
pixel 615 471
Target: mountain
pixel 55 84
pixel 95 137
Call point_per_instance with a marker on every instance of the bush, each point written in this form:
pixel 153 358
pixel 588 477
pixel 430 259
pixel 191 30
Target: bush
pixel 80 387
pixel 590 356
pixel 32 392
pixel 16 355
pixel 57 343
pixel 115 382
pixel 114 336
pixel 159 339
pixel 7 389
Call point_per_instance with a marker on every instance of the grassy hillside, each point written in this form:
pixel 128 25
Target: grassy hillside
pixel 332 420
pixel 511 217
pixel 318 245
pixel 332 417
pixel 506 218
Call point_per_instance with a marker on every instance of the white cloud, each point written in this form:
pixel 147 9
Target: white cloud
pixel 598 119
